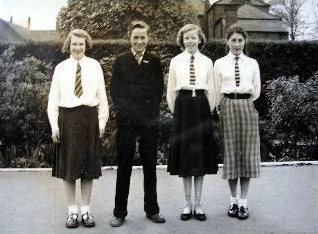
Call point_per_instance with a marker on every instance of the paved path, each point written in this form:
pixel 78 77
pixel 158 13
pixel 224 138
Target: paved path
pixel 283 200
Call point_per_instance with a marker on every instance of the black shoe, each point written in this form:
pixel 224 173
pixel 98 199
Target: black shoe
pixel 88 220
pixel 117 222
pixel 156 218
pixel 243 213
pixel 201 217
pixel 186 216
pixel 233 210
pixel 71 221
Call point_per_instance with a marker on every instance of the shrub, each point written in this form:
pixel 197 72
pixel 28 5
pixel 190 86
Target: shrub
pixel 293 116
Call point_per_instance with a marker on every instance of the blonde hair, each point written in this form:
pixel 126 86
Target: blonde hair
pixel 78 33
pixel 187 28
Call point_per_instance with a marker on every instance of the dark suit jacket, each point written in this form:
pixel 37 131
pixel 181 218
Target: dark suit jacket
pixel 137 90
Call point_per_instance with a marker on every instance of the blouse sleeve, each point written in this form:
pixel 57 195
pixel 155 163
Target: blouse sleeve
pixel 217 84
pixel 211 87
pixel 53 101
pixel 172 82
pixel 256 81
pixel 103 110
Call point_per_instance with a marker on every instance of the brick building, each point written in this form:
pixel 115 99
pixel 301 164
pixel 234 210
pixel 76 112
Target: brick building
pixel 252 15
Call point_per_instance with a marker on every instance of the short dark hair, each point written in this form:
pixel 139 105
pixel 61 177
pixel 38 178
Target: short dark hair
pixel 78 33
pixel 237 29
pixel 187 28
pixel 137 24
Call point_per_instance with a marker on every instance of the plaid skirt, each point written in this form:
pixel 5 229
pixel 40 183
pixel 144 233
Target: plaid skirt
pixel 192 148
pixel 240 137
pixel 77 154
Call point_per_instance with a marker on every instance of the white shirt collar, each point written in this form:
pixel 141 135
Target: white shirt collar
pixel 77 61
pixel 188 55
pixel 134 52
pixel 232 56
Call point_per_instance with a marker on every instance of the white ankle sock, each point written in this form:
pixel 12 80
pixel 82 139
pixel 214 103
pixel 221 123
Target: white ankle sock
pixel 234 200
pixel 72 210
pixel 243 202
pixel 85 209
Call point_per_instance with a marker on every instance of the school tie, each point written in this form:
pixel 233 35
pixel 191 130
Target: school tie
pixel 192 74
pixel 138 57
pixel 237 72
pixel 192 71
pixel 78 81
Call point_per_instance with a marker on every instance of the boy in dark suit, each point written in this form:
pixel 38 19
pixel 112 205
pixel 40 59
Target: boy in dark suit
pixel 136 91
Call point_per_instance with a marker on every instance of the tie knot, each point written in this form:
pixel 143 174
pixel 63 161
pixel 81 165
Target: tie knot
pixel 192 57
pixel 138 55
pixel 78 68
pixel 237 58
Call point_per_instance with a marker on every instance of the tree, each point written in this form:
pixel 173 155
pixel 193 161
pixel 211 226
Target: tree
pixel 315 23
pixel 290 13
pixel 108 19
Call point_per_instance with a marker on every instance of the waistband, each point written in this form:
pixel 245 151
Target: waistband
pixel 237 95
pixel 203 91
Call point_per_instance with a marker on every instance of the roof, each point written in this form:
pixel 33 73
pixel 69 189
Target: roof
pixel 9 33
pixel 15 34
pixel 250 12
pixel 45 35
pixel 262 25
pixel 232 2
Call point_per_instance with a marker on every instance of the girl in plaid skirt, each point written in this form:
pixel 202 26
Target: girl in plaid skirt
pixel 238 81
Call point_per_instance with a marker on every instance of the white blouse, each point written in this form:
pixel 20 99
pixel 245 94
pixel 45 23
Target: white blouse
pixel 250 82
pixel 63 84
pixel 179 77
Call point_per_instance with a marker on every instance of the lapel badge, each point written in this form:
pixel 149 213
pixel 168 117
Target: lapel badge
pixel 145 61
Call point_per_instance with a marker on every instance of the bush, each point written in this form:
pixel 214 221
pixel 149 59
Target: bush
pixel 24 89
pixel 293 117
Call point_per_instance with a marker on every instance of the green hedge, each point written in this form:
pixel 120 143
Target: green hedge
pixel 277 58
pixel 280 58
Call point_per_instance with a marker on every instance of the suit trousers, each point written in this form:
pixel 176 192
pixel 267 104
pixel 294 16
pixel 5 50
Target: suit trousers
pixel 126 146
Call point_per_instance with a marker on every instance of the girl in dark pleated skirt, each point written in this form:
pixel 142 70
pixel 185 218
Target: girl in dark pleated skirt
pixel 190 97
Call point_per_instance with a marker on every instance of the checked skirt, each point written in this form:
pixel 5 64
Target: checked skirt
pixel 240 138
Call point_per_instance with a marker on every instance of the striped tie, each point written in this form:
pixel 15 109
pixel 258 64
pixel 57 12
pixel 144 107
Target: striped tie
pixel 192 71
pixel 78 82
pixel 237 72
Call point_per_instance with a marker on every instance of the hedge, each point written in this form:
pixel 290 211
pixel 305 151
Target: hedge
pixel 276 59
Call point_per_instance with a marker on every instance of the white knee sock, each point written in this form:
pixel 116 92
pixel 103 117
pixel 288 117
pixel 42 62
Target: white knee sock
pixel 198 182
pixel 187 184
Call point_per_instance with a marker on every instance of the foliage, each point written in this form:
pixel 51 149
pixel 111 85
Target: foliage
pixel 23 98
pixel 293 112
pixel 109 19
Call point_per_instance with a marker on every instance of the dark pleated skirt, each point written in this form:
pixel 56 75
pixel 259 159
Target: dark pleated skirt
pixel 77 155
pixel 192 147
